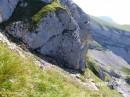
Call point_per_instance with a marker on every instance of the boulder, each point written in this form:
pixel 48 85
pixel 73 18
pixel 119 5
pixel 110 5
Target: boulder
pixel 58 35
pixel 6 9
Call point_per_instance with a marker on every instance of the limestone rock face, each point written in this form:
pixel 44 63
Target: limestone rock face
pixel 6 8
pixel 60 34
pixel 113 39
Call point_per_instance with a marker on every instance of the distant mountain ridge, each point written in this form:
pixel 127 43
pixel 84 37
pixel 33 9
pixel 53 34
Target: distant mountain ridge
pixel 106 20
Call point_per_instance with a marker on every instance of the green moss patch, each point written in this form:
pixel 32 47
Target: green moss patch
pixel 126 70
pixel 33 12
pixel 48 8
pixel 93 67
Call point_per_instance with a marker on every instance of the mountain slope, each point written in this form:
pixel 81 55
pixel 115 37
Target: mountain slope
pixel 111 24
pixel 110 51
pixel 51 30
pixel 112 38
pixel 24 78
pixel 60 32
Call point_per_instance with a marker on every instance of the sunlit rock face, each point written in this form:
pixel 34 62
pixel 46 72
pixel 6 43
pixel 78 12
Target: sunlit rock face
pixel 61 34
pixel 113 39
pixel 6 8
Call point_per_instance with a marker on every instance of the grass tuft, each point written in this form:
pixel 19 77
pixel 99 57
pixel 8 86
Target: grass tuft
pixel 126 70
pixel 45 9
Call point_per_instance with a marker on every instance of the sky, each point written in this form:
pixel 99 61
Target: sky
pixel 118 10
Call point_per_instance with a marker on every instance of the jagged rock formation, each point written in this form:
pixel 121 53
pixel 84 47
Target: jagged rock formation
pixel 6 8
pixel 60 29
pixel 61 34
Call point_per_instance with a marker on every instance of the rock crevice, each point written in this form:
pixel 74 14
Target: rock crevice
pixel 61 34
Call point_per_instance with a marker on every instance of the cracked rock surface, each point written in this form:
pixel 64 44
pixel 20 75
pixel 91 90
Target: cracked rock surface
pixel 6 8
pixel 59 35
pixel 113 39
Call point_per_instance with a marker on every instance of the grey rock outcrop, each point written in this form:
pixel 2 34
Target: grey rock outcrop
pixel 113 39
pixel 112 65
pixel 6 8
pixel 64 34
pixel 60 35
pixel 108 60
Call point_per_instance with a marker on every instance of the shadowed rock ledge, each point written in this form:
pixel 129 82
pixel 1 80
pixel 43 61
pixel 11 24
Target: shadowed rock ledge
pixel 61 33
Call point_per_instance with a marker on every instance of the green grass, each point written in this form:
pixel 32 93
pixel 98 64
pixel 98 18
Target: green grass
pixel 103 91
pixel 126 27
pixel 93 66
pixel 21 77
pixel 126 70
pixel 48 8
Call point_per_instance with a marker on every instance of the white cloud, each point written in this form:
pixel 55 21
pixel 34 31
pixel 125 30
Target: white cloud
pixel 118 10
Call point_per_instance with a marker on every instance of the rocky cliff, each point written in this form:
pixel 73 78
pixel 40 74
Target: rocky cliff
pixel 6 9
pixel 110 50
pixel 58 29
pixel 112 38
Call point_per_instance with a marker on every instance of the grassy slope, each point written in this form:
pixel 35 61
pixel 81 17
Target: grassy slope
pixel 21 77
pixel 111 24
pixel 127 27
